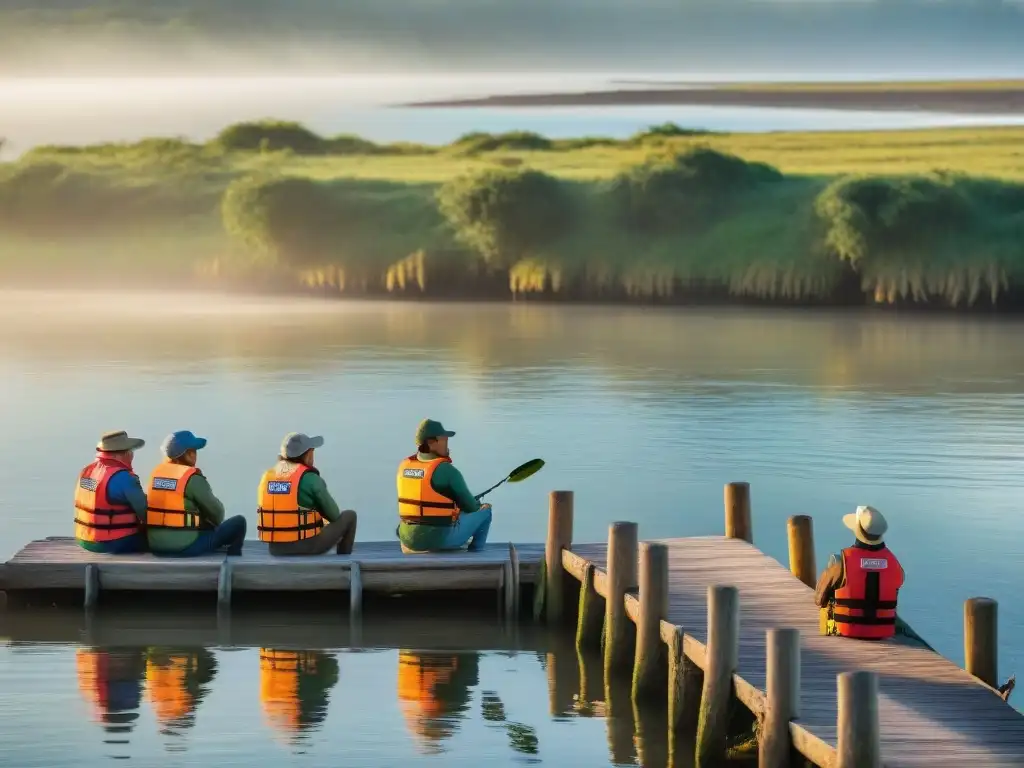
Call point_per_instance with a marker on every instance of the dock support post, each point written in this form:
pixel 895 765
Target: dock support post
pixel 684 687
pixel 590 623
pixel 355 589
pixel 224 585
pixel 722 659
pixel 622 563
pixel 649 664
pixel 92 586
pixel 783 697
pixel 859 742
pixel 560 507
pixel 981 639
pixel 508 589
pixel 737 512
pixel 801 549
pixel 513 559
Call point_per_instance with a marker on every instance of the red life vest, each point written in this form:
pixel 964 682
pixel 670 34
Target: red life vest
pixel 96 518
pixel 865 606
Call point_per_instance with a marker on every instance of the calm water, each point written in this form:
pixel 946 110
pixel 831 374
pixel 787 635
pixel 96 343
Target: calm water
pixel 85 110
pixel 645 413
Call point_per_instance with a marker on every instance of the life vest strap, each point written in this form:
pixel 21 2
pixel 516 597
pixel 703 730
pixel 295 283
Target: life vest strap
pixel 439 521
pixel 865 605
pixel 109 526
pixel 450 505
pixel 281 529
pixel 871 620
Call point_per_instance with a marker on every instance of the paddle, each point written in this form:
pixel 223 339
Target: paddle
pixel 517 475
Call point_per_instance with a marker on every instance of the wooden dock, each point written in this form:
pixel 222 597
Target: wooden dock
pixel 931 712
pixel 710 619
pixel 58 563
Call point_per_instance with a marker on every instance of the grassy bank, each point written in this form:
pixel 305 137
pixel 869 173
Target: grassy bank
pixel 919 217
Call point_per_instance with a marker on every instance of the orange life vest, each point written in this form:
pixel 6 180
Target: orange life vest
pixel 166 498
pixel 280 675
pixel 865 606
pixel 96 518
pixel 281 519
pixel 418 502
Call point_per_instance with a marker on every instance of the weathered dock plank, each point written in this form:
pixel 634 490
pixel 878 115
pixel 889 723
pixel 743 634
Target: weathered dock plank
pixel 59 563
pixel 932 713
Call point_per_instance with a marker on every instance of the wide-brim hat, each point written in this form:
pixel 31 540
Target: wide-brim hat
pixel 867 524
pixel 118 442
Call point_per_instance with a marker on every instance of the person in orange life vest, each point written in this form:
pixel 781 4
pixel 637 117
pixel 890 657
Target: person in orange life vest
pixel 436 510
pixel 860 585
pixel 110 505
pixel 297 515
pixel 184 518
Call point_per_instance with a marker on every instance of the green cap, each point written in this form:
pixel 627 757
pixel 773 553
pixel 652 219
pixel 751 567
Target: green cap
pixel 429 428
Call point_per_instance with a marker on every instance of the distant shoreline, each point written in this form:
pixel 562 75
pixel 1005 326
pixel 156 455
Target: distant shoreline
pixel 1003 97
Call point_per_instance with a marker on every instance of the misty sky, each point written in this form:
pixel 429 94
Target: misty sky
pixel 829 38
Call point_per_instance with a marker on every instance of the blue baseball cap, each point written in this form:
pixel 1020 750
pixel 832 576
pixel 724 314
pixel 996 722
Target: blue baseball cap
pixel 177 443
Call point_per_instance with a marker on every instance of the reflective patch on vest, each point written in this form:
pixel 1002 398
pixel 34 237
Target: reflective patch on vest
pixel 414 473
pixel 87 483
pixel 279 487
pixel 874 563
pixel 164 484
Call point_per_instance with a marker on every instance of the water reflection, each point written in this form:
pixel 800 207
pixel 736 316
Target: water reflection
pixel 294 688
pixel 434 694
pixel 177 680
pixel 111 681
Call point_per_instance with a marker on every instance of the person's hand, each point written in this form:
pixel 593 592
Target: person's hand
pixel 483 507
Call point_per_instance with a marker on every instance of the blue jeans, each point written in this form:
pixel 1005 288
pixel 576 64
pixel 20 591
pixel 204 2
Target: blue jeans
pixel 472 525
pixel 230 534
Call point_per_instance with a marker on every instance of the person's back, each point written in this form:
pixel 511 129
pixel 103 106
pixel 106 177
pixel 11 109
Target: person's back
pixel 184 518
pixel 297 514
pixel 110 505
pixel 858 590
pixel 436 511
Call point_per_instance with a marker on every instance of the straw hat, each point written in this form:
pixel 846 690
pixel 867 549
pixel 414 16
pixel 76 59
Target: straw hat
pixel 118 441
pixel 867 524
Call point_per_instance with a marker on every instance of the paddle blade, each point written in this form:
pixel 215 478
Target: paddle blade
pixel 526 470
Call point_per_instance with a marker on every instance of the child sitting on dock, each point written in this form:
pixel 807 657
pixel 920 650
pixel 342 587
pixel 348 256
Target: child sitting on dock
pixel 110 505
pixel 184 518
pixel 435 508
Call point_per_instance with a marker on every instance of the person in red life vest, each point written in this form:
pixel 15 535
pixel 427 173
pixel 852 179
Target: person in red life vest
pixel 110 505
pixel 860 585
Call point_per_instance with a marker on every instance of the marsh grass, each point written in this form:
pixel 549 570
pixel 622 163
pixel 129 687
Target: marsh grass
pixel 905 217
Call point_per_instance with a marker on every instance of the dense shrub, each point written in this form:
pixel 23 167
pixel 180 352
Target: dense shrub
pixel 685 190
pixel 505 213
pixel 287 220
pixel 272 135
pixel 511 141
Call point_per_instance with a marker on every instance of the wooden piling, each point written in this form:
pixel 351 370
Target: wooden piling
pixel 224 585
pixel 92 586
pixel 508 598
pixel 801 549
pixel 782 703
pixel 737 512
pixel 355 589
pixel 859 741
pixel 981 639
pixel 685 680
pixel 622 577
pixel 722 660
pixel 513 558
pixel 590 623
pixel 560 509
pixel 649 668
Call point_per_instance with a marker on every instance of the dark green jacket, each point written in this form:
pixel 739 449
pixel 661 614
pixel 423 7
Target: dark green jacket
pixel 450 483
